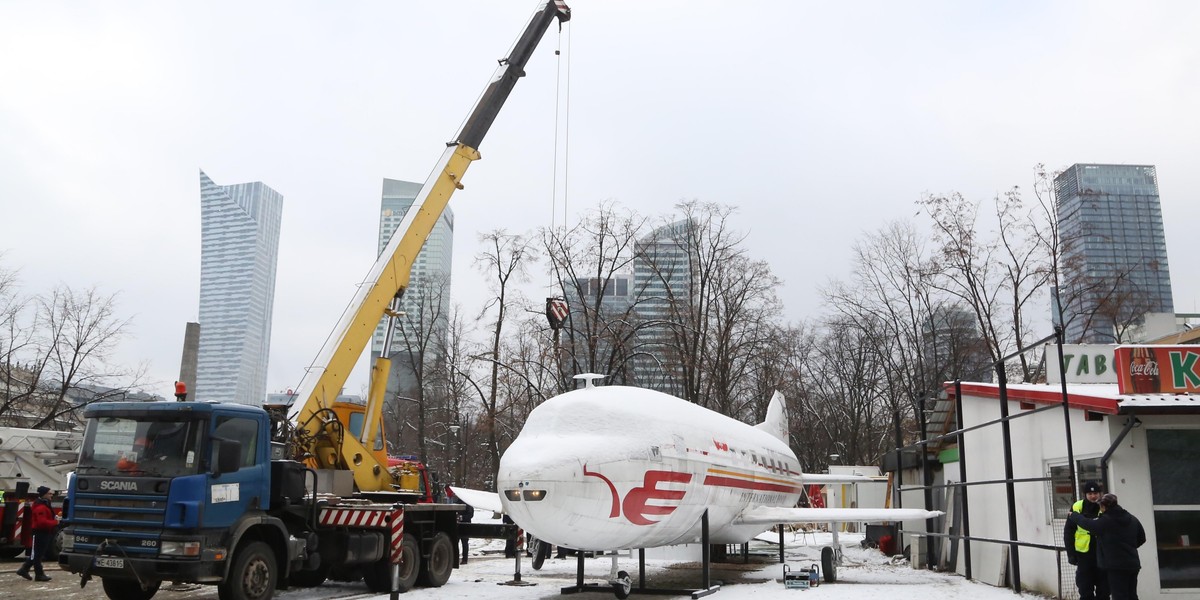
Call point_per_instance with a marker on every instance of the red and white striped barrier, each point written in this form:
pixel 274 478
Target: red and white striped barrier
pixel 382 518
pixel 18 525
pixel 397 536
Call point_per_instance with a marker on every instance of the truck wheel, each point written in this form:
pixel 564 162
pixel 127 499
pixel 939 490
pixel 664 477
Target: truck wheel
pixel 378 576
pixel 435 571
pixel 252 575
pixel 125 589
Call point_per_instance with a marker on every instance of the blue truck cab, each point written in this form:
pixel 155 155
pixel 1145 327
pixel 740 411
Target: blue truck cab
pixel 166 491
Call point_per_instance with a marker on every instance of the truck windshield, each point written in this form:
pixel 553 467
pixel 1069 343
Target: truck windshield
pixel 130 446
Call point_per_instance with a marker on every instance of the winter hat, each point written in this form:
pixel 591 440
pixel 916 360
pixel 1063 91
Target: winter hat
pixel 1091 486
pixel 42 490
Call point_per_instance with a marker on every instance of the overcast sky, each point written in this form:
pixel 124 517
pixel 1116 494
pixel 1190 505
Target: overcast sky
pixel 821 121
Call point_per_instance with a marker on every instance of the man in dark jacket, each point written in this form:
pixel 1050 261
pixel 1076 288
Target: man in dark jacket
pixel 1081 547
pixel 44 526
pixel 464 516
pixel 1119 534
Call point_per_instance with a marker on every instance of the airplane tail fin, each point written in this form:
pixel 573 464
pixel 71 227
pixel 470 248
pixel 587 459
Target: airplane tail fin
pixel 777 418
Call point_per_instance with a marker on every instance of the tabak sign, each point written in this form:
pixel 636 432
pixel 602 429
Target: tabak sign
pixel 1158 369
pixel 1086 363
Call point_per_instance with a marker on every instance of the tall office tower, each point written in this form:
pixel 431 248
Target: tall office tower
pixel 239 250
pixel 426 302
pixel 662 277
pixel 1115 253
pixel 603 323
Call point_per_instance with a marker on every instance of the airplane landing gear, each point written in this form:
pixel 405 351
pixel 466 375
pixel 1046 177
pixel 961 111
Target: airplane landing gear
pixel 829 564
pixel 540 551
pixel 622 585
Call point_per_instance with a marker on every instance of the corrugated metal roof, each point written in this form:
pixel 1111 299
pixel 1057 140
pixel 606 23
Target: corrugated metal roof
pixel 1099 398
pixel 1157 404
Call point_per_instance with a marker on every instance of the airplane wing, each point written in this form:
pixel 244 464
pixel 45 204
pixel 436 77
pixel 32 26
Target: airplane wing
pixel 770 515
pixel 479 499
pixel 822 479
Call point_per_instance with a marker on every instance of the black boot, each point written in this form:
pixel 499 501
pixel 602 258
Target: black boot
pixel 24 573
pixel 42 577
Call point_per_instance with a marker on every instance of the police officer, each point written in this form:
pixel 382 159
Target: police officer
pixel 1118 535
pixel 1091 580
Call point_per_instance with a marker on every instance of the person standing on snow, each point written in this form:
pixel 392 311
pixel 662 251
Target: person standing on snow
pixel 464 516
pixel 44 525
pixel 1090 579
pixel 1119 534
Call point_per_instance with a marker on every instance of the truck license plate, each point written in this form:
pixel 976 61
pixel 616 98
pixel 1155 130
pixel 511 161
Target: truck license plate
pixel 110 563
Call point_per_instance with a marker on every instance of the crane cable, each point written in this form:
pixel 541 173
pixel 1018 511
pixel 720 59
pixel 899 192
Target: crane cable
pixel 564 107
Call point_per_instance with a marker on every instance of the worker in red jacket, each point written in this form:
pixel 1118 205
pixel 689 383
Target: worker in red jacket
pixel 44 525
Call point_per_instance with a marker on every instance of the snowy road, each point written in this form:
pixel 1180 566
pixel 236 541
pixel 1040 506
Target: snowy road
pixel 866 574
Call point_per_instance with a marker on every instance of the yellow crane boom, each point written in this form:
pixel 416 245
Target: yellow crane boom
pixel 330 444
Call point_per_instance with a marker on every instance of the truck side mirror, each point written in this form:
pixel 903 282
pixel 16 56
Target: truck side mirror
pixel 229 456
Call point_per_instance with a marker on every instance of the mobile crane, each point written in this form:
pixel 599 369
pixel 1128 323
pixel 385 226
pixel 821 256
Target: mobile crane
pixel 248 499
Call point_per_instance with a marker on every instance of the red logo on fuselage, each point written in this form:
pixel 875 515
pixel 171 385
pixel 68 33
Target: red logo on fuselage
pixel 637 505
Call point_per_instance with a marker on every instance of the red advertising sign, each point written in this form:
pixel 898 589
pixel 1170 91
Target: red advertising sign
pixel 1158 369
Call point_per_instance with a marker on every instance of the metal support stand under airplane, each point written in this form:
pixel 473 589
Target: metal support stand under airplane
pixel 516 580
pixel 622 585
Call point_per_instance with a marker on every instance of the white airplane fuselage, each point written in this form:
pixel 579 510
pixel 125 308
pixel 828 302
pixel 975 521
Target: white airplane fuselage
pixel 620 467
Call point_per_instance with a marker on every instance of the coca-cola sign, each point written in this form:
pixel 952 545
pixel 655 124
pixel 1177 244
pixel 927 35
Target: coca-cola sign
pixel 1158 369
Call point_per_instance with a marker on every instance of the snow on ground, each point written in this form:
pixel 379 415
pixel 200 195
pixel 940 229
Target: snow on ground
pixel 865 573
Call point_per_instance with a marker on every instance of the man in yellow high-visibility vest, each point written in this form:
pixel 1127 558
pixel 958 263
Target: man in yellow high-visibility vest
pixel 1081 547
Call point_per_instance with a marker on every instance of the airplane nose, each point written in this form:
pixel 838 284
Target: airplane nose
pixel 542 490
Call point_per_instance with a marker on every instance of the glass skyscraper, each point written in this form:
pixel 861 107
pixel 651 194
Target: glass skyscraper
pixel 239 251
pixel 663 277
pixel 426 302
pixel 1115 253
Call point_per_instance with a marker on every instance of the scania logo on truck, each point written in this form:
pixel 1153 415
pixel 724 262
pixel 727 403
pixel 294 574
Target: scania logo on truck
pixel 122 486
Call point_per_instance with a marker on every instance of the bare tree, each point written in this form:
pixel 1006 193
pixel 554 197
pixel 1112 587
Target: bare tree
pixel 997 277
pixel 424 338
pixel 847 406
pixel 505 261
pixel 692 260
pixel 891 300
pixel 744 310
pixel 592 264
pixel 19 379
pixel 66 356
pixel 465 399
pixel 1125 307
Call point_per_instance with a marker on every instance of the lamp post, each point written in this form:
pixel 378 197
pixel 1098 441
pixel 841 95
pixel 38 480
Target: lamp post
pixel 454 427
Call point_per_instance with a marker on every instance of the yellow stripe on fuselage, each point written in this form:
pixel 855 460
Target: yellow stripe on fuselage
pixel 753 477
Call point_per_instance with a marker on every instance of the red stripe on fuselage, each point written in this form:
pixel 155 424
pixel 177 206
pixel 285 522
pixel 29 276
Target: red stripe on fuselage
pixel 744 484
